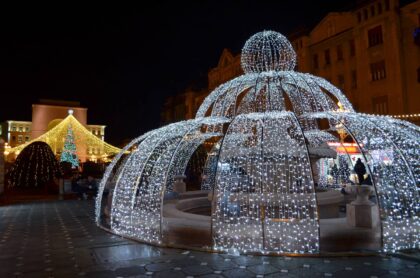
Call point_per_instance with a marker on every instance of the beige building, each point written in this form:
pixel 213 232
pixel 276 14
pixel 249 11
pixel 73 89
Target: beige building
pixel 16 132
pixel 45 116
pixel 372 53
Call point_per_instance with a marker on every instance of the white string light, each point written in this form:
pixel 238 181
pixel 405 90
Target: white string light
pixel 261 128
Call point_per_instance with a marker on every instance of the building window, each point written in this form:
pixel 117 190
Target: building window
pixel 379 8
pixel 13 138
pixel 27 129
pixel 20 129
pixel 418 75
pixel 378 71
pixel 353 79
pixel 340 79
pixel 372 10
pixel 339 52
pixel 327 57
pixel 380 105
pixel 386 5
pixel 20 138
pixel 13 128
pixel 352 48
pixel 26 138
pixel 375 36
pixel 315 61
pixel 365 14
pixel 359 17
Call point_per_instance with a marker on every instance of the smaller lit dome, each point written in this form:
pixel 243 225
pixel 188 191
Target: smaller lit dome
pixel 267 51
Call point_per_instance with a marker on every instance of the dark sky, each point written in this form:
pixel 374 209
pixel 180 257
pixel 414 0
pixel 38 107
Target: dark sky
pixel 123 61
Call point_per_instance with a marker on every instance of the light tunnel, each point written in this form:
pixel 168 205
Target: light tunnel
pixel 268 167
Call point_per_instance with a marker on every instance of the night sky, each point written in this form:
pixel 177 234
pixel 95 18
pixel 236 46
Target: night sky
pixel 123 61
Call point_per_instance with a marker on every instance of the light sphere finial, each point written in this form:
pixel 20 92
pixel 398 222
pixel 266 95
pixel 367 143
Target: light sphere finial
pixel 267 51
pixel 70 111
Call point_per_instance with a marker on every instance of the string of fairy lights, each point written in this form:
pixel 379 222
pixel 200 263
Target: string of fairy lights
pixel 35 166
pixel 83 139
pixel 264 191
pixel 260 130
pixel 265 92
pixel 395 184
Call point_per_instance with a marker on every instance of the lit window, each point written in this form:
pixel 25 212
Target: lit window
pixel 20 129
pixel 27 129
pixel 375 36
pixel 20 139
pixel 380 105
pixel 378 71
pixel 13 128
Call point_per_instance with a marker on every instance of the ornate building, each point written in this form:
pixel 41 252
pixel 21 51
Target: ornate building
pixel 46 115
pixel 371 52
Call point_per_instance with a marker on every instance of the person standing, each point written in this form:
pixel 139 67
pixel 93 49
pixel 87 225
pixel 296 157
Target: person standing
pixel 360 170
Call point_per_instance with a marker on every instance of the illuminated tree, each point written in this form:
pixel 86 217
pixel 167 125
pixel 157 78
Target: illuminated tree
pixel 344 169
pixel 69 150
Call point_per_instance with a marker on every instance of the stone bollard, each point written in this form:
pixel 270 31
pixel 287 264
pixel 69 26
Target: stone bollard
pixel 179 184
pixel 362 212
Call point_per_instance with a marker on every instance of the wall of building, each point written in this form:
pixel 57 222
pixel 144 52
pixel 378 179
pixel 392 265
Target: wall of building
pixel 381 76
pixel 43 114
pixel 372 58
pixel 410 26
pixel 17 132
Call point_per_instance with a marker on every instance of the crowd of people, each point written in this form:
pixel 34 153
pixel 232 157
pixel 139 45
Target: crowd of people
pixel 85 188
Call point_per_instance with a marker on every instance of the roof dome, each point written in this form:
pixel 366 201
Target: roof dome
pixel 267 51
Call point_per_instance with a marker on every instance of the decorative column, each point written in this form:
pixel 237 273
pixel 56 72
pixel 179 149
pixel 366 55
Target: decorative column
pixel 362 212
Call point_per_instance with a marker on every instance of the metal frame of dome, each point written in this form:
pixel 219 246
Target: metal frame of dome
pixel 275 207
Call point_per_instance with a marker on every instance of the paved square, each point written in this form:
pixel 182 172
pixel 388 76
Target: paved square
pixel 60 239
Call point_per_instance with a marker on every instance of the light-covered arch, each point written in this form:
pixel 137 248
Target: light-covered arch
pixel 264 196
pixel 394 181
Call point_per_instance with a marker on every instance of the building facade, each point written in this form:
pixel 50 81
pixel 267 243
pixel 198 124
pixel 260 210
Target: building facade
pixel 372 53
pixel 45 116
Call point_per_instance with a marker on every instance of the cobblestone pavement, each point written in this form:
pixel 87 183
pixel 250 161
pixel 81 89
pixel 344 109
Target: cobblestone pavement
pixel 60 239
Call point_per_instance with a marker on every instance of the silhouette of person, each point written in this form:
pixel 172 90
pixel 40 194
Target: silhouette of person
pixel 360 170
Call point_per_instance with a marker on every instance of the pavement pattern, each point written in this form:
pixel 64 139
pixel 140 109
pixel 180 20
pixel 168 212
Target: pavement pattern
pixel 60 239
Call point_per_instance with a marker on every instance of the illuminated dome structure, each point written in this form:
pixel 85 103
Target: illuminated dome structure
pixel 276 148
